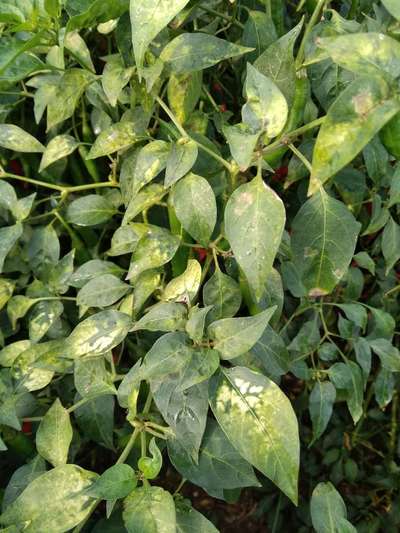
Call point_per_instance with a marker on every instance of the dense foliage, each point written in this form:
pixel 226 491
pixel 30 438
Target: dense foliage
pixel 199 236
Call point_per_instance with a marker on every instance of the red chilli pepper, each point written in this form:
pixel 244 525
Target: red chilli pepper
pixel 202 254
pixel 26 427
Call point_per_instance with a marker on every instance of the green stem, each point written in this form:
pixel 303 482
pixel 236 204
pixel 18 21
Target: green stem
pixel 184 133
pixel 313 20
pixel 222 16
pixel 300 156
pixel 60 188
pixel 292 135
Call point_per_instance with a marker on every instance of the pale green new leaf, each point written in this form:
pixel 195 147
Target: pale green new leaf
pixel 148 18
pixel 55 501
pixel 259 421
pixel 235 336
pixel 328 511
pixel 59 147
pixel 324 236
pixel 14 138
pixel 196 51
pixel 54 435
pixel 358 113
pixel 254 223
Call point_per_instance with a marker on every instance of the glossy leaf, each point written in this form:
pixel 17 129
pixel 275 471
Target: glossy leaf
pixel 116 482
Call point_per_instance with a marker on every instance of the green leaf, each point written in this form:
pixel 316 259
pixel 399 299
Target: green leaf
pixel 149 510
pixel 321 402
pixel 163 317
pixel 147 20
pixel 8 237
pixel 184 288
pixel 10 352
pixel 359 112
pixel 328 511
pixel 62 104
pixel 167 355
pixel 183 92
pixel 266 108
pixel 42 317
pixel 242 141
pixel 157 247
pixel 123 241
pixel 74 43
pixel 181 159
pixel 277 63
pixel 391 244
pixel 220 466
pixel 259 32
pixel 87 14
pixel 259 421
pixel 114 78
pixel 348 376
pixel 185 411
pixel 196 51
pixel 96 420
pixel 99 333
pixel 235 336
pixel 116 482
pixel 90 210
pixel 195 206
pixel 202 364
pixel 189 520
pixel 102 291
pixel 145 198
pixel 54 435
pixel 55 501
pixel 6 290
pixel 324 235
pixel 151 466
pixel 91 269
pixel 91 377
pixel 14 138
pixel 367 54
pixel 195 323
pixel 270 350
pixel 393 7
pixel 114 138
pixel 21 478
pixel 388 354
pixel 222 293
pixel 384 387
pixel 151 160
pixel 59 147
pixel 254 223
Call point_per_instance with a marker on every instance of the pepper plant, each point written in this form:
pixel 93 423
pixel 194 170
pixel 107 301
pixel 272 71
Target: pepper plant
pixel 199 237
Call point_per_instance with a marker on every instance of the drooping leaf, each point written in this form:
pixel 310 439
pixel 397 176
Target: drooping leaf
pixel 321 402
pixel 259 421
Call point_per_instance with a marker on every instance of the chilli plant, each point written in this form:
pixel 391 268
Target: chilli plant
pixel 199 245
